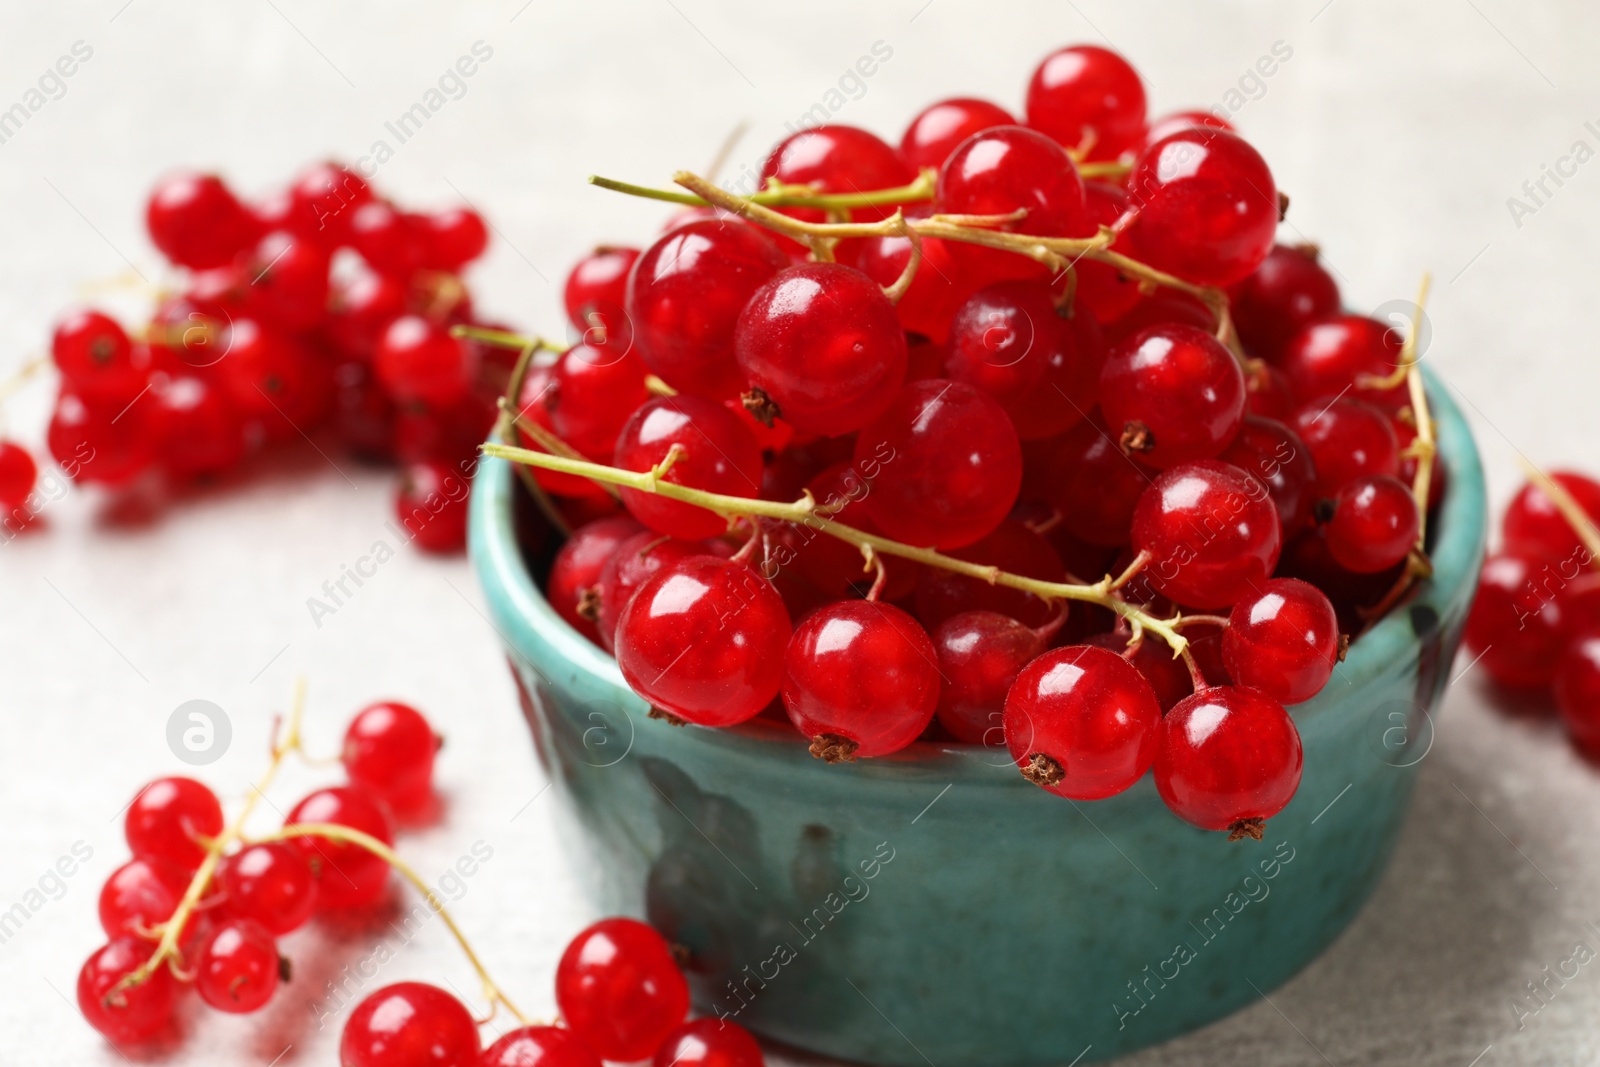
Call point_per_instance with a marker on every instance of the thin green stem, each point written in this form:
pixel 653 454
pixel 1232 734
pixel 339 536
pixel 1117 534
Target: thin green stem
pixel 789 195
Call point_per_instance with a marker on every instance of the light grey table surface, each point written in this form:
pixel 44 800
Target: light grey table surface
pixel 1401 132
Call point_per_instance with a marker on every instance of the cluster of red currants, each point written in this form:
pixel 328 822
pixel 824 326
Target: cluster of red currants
pixel 322 310
pixel 1535 625
pixel 1198 415
pixel 235 906
pixel 622 996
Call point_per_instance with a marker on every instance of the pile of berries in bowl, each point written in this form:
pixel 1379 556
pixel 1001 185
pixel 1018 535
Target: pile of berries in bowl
pixel 1016 434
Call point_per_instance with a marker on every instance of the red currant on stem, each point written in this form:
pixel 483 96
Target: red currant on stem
pixel 1516 633
pixel 1089 99
pixel 1212 533
pixel 939 128
pixel 1183 120
pixel 620 990
pixel 92 444
pixel 633 563
pixel 1347 439
pixel 95 357
pixel 838 159
pixel 288 278
pixel 980 655
pixel 168 820
pixel 1534 524
pixel 410 1023
pixel 323 201
pixel 1577 689
pixel 694 443
pixel 1283 639
pixel 1374 524
pixel 595 296
pixel 388 750
pixel 1167 674
pixel 195 220
pixel 1327 357
pixel 1081 722
pixel 1105 290
pixel 198 431
pixel 1094 484
pixel 1287 293
pixel 1228 758
pixel 1174 393
pixel 237 967
pixel 347 874
pixel 454 238
pixel 708 1043
pixel 576 570
pixel 123 1013
pixel 539 1046
pixel 270 884
pixel 1011 547
pixel 140 894
pixel 1274 453
pixel 420 360
pixel 431 500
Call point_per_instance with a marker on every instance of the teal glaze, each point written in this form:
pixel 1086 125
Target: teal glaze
pixel 999 925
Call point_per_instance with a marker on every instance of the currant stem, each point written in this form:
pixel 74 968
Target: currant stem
pixel 350 835
pixel 1570 509
pixel 505 338
pixel 790 195
pixel 732 507
pixel 507 420
pixel 26 371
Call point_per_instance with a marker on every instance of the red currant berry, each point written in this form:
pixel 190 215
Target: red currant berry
pixel 359 311
pixel 132 1013
pixel 940 128
pixel 838 159
pixel 1270 394
pixel 834 566
pixel 18 474
pixel 270 374
pixel 575 572
pixel 453 238
pixel 168 817
pixel 1516 631
pixel 95 358
pixel 419 360
pixel 236 969
pixel 198 431
pixel 391 242
pixel 1081 722
pixel 1168 676
pixel 539 1046
pixel 633 563
pixel 431 500
pixel 1347 440
pixel 1577 686
pixel 703 640
pixel 1010 341
pixel 1088 99
pixel 1012 547
pixel 388 750
pixel 948 464
pixel 1282 639
pixel 92 444
pixel 1374 524
pixel 1176 393
pixel 717 454
pixel 1580 598
pixel 1207 207
pixel 270 884
pixel 1533 524
pixel 1327 358
pixel 347 874
pixel 288 280
pixel 534 404
pixel 1212 533
pixel 980 655
pixel 860 679
pixel 410 1024
pixel 1107 292
pixel 1287 293
pixel 195 220
pixel 709 1043
pixel 1182 120
pixel 596 296
pixel 937 289
pixel 323 201
pixel 1274 453
pixel 140 894
pixel 1228 759
pixel 685 295
pixel 620 990
pixel 1094 485
pixel 822 344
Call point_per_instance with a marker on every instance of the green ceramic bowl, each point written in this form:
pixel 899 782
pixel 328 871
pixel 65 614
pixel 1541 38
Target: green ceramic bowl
pixel 933 907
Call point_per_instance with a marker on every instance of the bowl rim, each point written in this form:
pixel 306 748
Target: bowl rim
pixel 531 629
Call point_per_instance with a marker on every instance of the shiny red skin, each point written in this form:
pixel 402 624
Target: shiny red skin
pixel 455 237
pixel 592 393
pixel 140 894
pixel 1090 711
pixel 1533 524
pixel 236 967
pixel 1088 97
pixel 940 128
pixel 838 159
pixel 1269 393
pixel 1374 524
pixel 288 280
pixel 1013 548
pixel 1325 358
pixel 685 294
pixel 197 222
pixel 1287 293
pixel 1274 453
pixel 270 884
pixel 825 345
pixel 269 374
pixel 1212 533
pixel 533 404
pixel 633 563
pixel 1282 639
pixel 578 565
pixel 1347 439
pixel 1225 754
pixel 18 474
pixel 95 357
pixel 1103 289
pixel 951 464
pixel 431 501
pixel 93 445
pixel 1516 628
pixel 347 874
pixel 720 455
pixel 539 1046
pixel 1577 688
pixel 391 241
pixel 1208 208
pixel 595 297
pixel 937 289
pixel 1579 592
pixel 1095 486
pixel 1182 385
pixel 388 750
pixel 620 990
pixel 419 360
pixel 1182 120
pixel 864 671
pixel 1161 307
pixel 360 309
pixel 980 655
pixel 412 1024
pixel 135 1013
pixel 167 816
pixel 1010 341
pixel 323 200
pixel 709 1043
pixel 1168 676
pixel 703 639
pixel 198 431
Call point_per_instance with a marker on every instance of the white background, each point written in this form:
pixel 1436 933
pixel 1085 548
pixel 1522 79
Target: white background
pixel 1399 130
